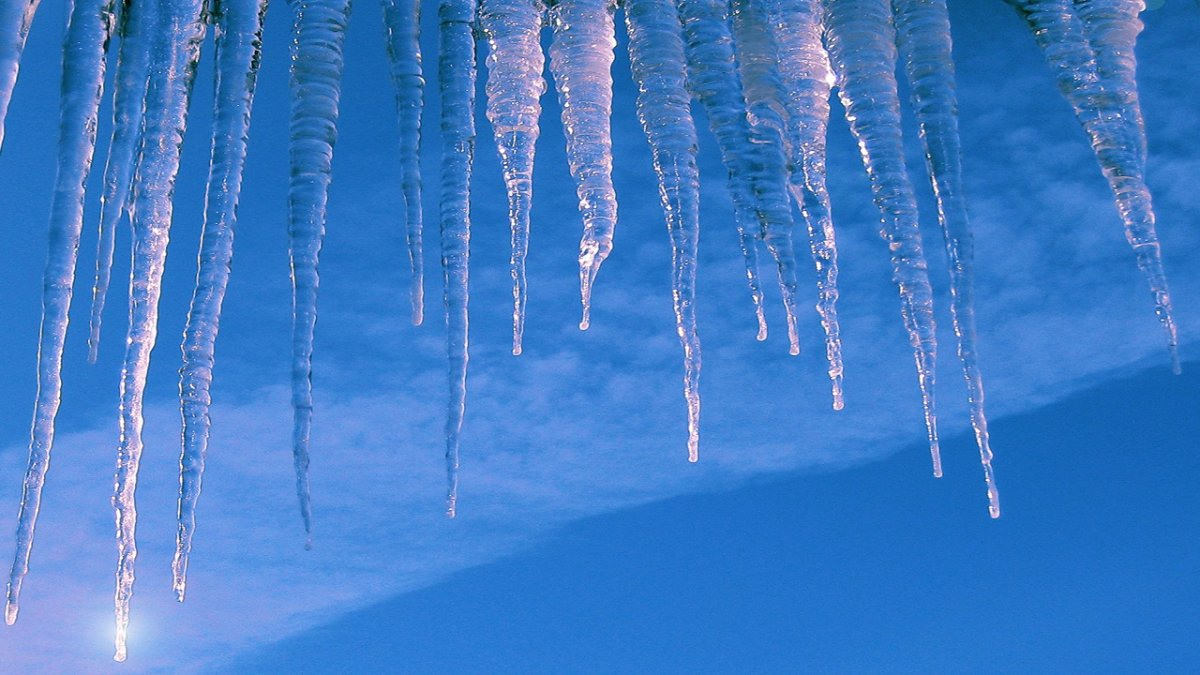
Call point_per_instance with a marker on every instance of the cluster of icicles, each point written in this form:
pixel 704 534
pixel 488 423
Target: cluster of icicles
pixel 763 70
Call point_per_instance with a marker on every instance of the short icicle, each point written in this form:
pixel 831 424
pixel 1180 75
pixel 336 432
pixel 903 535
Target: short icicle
pixel 318 35
pixel 179 33
pixel 402 25
pixel 129 99
pixel 456 76
pixel 923 37
pixel 238 41
pixel 1107 109
pixel 16 17
pixel 807 79
pixel 862 49
pixel 88 33
pixel 757 57
pixel 664 109
pixel 713 79
pixel 581 57
pixel 514 88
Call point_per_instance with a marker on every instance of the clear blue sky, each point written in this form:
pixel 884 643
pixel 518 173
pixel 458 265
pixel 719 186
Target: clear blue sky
pixel 585 540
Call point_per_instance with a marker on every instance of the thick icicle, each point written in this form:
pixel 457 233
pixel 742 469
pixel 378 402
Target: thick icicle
pixel 129 99
pixel 88 33
pixel 581 57
pixel 713 79
pixel 456 77
pixel 923 36
pixel 862 50
pixel 807 79
pixel 1106 107
pixel 178 36
pixel 318 34
pixel 756 57
pixel 664 108
pixel 16 16
pixel 402 24
pixel 238 41
pixel 514 87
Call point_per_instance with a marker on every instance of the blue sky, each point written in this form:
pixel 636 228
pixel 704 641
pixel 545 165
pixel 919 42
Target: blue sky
pixel 590 425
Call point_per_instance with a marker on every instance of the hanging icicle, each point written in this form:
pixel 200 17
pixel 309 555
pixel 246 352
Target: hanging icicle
pixel 923 36
pixel 88 33
pixel 129 101
pixel 807 79
pixel 456 75
pixel 581 57
pixel 238 41
pixel 664 109
pixel 862 49
pixel 402 25
pixel 319 32
pixel 16 17
pixel 179 33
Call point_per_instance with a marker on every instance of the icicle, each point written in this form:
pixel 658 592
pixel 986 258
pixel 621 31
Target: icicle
pixel 129 100
pixel 238 38
pixel 402 24
pixel 756 58
pixel 514 87
pixel 90 27
pixel 1106 107
pixel 862 50
pixel 318 33
pixel 179 33
pixel 806 77
pixel 581 57
pixel 713 79
pixel 664 108
pixel 456 76
pixel 923 36
pixel 16 16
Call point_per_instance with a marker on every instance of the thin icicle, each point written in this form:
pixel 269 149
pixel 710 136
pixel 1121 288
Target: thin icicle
pixel 179 33
pixel 514 88
pixel 713 79
pixel 862 49
pixel 581 57
pixel 402 25
pixel 16 16
pixel 129 100
pixel 456 76
pixel 664 108
pixel 88 33
pixel 1102 103
pixel 238 41
pixel 757 55
pixel 807 79
pixel 318 34
pixel 923 36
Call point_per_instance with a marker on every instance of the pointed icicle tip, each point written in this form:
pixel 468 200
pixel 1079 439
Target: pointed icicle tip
pixel 10 613
pixel 1176 366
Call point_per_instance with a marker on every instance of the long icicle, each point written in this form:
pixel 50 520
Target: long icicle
pixel 581 57
pixel 16 16
pixel 713 79
pixel 402 25
pixel 88 33
pixel 514 88
pixel 238 42
pixel 923 37
pixel 456 75
pixel 319 33
pixel 757 57
pixel 129 100
pixel 664 108
pixel 1103 109
pixel 807 79
pixel 179 34
pixel 862 50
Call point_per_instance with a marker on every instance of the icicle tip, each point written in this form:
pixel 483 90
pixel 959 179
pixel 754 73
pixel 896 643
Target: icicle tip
pixel 10 613
pixel 1176 366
